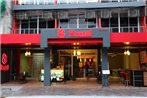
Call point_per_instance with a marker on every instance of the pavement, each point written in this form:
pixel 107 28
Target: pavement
pixel 78 89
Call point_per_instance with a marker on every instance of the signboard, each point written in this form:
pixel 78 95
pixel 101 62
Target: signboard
pixel 59 33
pixel 105 71
pixel 73 33
pixel 4 62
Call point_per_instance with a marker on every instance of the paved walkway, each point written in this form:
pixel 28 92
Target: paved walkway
pixel 70 88
pixel 75 97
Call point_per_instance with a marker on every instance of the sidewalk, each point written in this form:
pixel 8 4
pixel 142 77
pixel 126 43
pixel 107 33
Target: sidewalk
pixel 75 97
pixel 71 88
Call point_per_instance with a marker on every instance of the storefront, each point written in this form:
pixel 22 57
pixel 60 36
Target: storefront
pixel 63 35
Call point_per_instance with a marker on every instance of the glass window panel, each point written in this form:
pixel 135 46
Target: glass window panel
pixel 114 22
pixel 33 23
pixel 24 24
pixel 64 23
pixel 73 23
pixel 133 21
pixel 92 23
pixel 42 23
pixel 105 22
pixel 82 23
pixel 51 24
pixel 123 21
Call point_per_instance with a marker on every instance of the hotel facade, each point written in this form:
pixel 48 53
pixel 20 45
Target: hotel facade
pixel 40 35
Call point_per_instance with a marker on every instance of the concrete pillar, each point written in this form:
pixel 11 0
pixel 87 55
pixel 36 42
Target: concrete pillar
pixel 105 66
pixel 47 73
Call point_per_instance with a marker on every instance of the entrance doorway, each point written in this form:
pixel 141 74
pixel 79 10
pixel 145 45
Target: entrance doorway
pixel 74 62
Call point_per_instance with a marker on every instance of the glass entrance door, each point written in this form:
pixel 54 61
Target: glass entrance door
pixel 74 62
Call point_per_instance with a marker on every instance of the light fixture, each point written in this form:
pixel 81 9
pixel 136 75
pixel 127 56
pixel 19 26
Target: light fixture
pixel 127 43
pixel 28 53
pixel 74 52
pixel 127 52
pixel 78 53
pixel 74 43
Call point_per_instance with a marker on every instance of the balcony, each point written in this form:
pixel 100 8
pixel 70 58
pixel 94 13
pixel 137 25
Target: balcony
pixel 112 30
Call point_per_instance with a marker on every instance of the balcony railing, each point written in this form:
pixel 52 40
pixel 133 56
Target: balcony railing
pixel 126 29
pixel 112 29
pixel 45 2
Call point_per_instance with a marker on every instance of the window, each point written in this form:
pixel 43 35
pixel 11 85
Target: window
pixel 73 23
pixel 105 22
pixel 42 23
pixel 82 23
pixel 92 23
pixel 64 23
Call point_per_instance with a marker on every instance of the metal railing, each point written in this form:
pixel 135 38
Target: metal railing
pixel 27 31
pixel 127 29
pixel 45 2
pixel 111 29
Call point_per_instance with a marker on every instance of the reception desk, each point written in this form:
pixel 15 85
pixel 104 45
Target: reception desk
pixel 138 78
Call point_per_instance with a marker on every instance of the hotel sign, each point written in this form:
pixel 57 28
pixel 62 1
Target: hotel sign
pixel 73 33
pixel 4 62
pixel 48 34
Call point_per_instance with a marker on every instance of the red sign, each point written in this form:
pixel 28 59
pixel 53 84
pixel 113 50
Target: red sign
pixel 4 66
pixel 60 33
pixel 74 33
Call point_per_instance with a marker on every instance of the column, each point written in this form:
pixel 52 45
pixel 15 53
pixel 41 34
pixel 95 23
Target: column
pixel 119 30
pixel 38 25
pixel 105 66
pixel 138 20
pixel 56 23
pixel 20 27
pixel 143 23
pixel 47 73
pixel 99 22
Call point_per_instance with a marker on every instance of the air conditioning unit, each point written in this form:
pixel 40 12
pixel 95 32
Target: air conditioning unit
pixel 105 14
pixel 133 13
pixel 48 15
pixel 63 15
pixel 90 14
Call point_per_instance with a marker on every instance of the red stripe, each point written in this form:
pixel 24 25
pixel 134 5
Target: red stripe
pixel 35 38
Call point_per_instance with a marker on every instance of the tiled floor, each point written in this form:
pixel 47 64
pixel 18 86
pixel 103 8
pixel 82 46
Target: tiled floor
pixel 79 87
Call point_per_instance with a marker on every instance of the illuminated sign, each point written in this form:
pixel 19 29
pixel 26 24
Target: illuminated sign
pixel 60 33
pixel 4 66
pixel 73 33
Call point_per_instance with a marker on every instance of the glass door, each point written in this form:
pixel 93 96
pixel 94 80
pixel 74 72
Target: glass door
pixel 74 62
